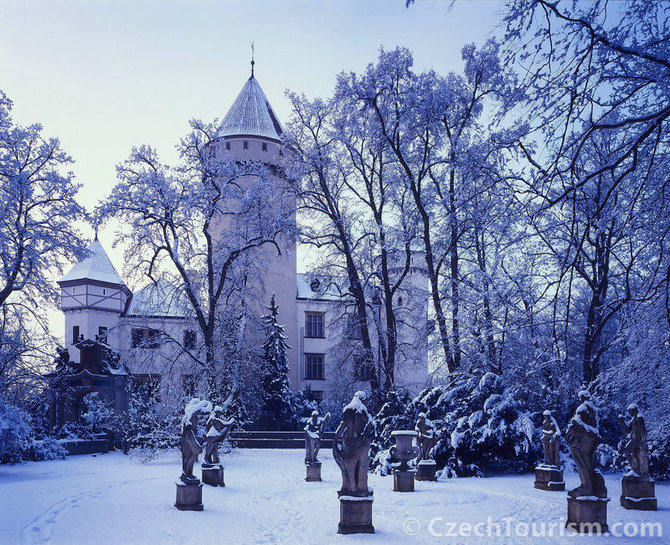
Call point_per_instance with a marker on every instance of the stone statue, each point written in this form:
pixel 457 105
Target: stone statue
pixel 638 490
pixel 583 438
pixel 313 430
pixel 351 447
pixel 426 438
pixel 551 440
pixel 191 443
pixel 216 431
pixel 636 449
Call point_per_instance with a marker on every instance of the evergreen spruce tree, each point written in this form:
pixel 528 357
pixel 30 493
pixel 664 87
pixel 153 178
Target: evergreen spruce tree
pixel 276 391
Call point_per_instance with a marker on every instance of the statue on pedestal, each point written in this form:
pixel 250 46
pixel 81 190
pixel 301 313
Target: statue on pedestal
pixel 638 490
pixel 551 440
pixel 583 438
pixel 191 443
pixel 549 475
pixel 313 431
pixel 351 447
pixel 587 504
pixel 426 438
pixel 635 449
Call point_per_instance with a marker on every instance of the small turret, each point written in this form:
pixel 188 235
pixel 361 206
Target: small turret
pixel 93 296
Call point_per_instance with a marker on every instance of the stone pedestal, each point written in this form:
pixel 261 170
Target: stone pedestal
pixel 212 474
pixel 355 515
pixel 189 497
pixel 549 478
pixel 587 514
pixel 427 469
pixel 313 473
pixel 403 480
pixel 638 493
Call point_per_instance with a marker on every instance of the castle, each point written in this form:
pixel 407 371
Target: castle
pixel 97 303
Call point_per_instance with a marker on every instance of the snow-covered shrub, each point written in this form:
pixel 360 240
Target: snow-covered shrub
pixel 14 432
pixel 98 416
pixel 480 425
pixel 48 448
pixel 397 413
pixel 302 403
pixel 147 430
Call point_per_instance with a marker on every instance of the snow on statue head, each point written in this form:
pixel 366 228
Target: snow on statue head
pixel 361 395
pixel 315 413
pixel 584 395
pixel 194 406
pixel 632 407
pixel 547 413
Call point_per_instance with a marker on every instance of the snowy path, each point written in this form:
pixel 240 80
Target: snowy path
pixel 108 499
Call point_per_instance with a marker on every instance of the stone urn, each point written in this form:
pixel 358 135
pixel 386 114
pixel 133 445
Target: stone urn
pixel 402 452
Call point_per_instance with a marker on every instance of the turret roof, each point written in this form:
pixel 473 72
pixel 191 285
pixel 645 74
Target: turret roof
pixel 251 114
pixel 96 266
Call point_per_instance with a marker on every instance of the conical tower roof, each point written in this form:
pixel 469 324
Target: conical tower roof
pixel 97 266
pixel 251 114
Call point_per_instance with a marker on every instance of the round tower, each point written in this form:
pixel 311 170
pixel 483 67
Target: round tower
pixel 251 131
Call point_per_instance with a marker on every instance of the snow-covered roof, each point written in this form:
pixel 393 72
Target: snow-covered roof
pixel 97 266
pixel 251 114
pixel 161 299
pixel 312 287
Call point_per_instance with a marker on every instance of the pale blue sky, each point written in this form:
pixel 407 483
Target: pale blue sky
pixel 106 75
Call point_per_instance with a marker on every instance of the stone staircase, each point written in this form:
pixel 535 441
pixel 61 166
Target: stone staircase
pixel 276 439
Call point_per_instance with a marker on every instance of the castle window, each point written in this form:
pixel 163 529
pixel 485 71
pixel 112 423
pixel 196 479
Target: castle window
pixel 104 291
pixel 245 144
pixel 145 337
pixel 265 146
pixel 355 331
pixel 228 146
pixel 190 338
pixel 75 334
pixel 148 386
pixel 314 325
pixel 314 367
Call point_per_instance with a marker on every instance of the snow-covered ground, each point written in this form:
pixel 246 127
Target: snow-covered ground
pixel 109 499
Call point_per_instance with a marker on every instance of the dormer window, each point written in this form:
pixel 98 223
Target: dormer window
pixel 245 144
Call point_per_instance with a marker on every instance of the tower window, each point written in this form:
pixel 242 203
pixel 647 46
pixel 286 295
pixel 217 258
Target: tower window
pixel 104 291
pixel 75 334
pixel 314 367
pixel 314 325
pixel 265 146
pixel 245 144
pixel 228 146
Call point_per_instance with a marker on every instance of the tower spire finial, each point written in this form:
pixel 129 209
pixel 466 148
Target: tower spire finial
pixel 96 233
pixel 252 59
